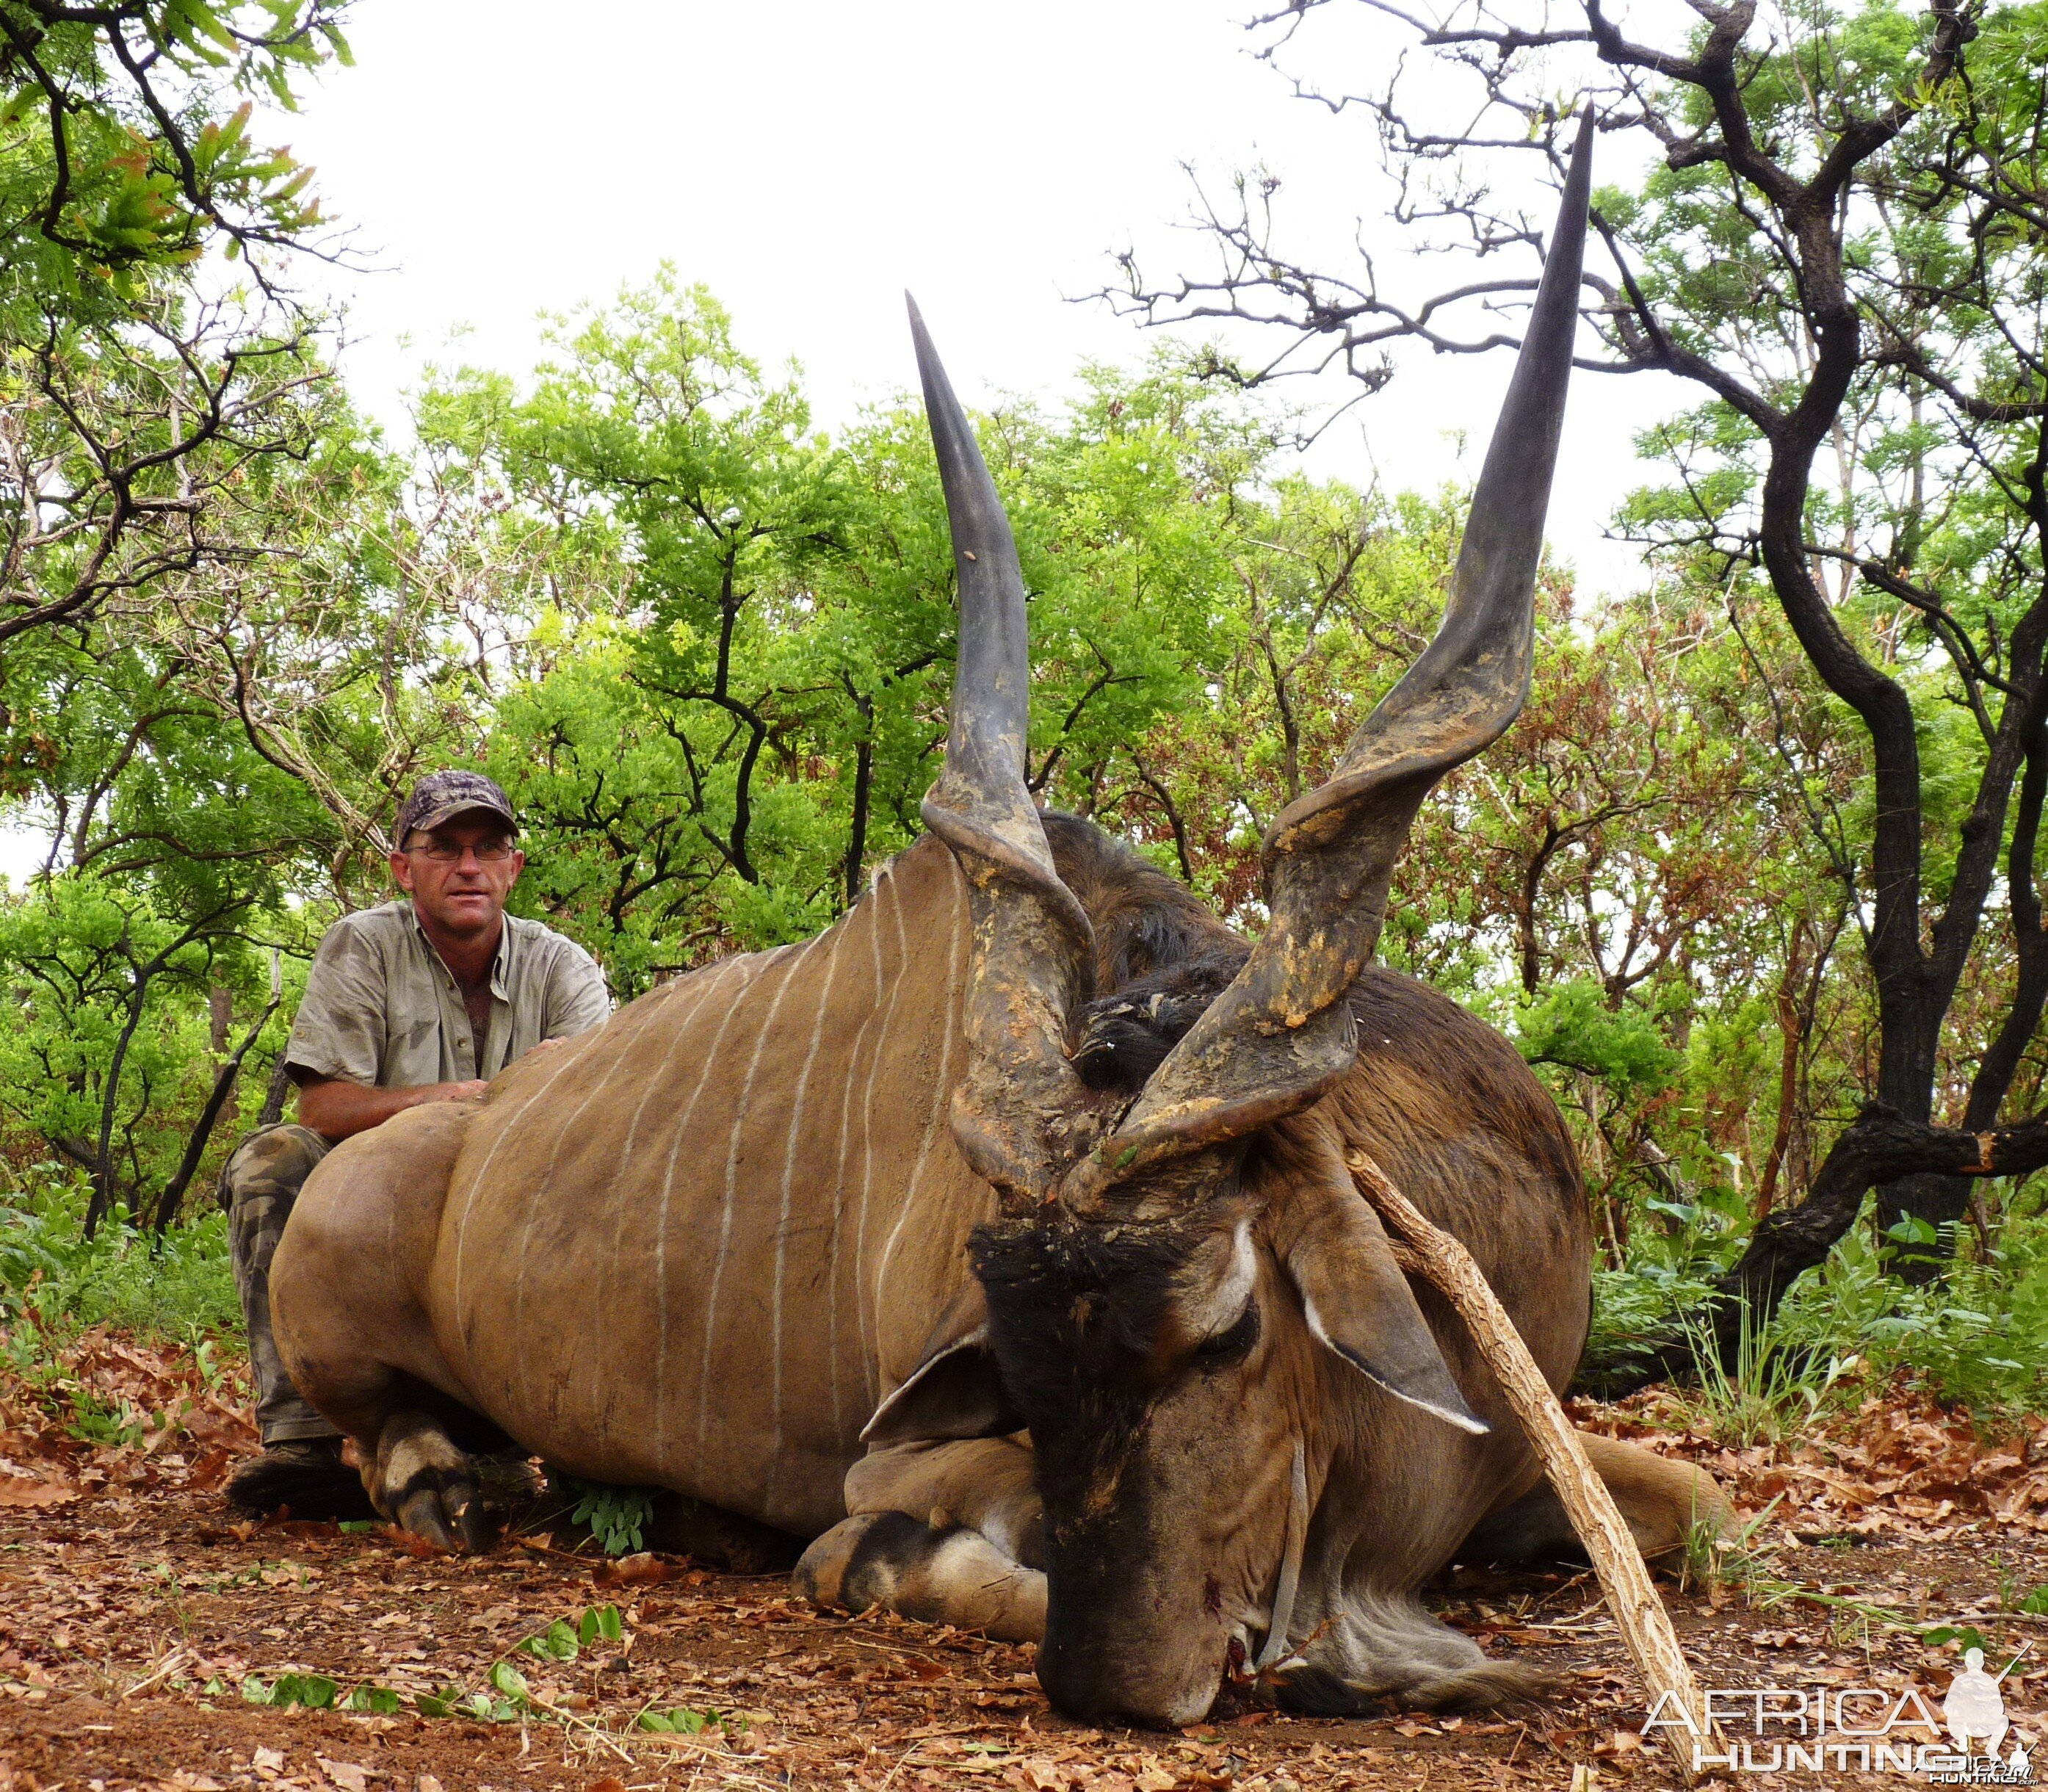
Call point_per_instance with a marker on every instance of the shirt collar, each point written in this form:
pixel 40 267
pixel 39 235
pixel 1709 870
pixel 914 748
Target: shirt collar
pixel 501 961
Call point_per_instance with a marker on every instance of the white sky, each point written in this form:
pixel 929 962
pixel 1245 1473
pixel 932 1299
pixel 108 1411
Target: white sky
pixel 808 161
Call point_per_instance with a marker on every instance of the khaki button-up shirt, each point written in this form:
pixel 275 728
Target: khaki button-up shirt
pixel 381 1009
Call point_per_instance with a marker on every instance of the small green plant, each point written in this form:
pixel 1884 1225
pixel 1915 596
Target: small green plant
pixel 508 1697
pixel 443 1703
pixel 618 1517
pixel 1967 1637
pixel 563 1641
pixel 686 1720
pixel 163 1581
pixel 1715 1559
pixel 313 1691
pixel 1702 1564
pixel 92 1421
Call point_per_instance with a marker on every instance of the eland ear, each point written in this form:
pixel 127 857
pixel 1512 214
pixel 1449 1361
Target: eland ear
pixel 1358 1304
pixel 955 1390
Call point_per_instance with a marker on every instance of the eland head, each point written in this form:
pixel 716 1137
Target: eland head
pixel 1190 1306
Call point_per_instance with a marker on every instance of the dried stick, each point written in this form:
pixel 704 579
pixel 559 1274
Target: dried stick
pixel 1646 1626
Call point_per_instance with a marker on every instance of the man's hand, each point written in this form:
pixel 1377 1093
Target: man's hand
pixel 337 1108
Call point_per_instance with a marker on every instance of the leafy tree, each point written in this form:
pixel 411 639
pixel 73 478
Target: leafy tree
pixel 126 155
pixel 126 147
pixel 105 1051
pixel 730 699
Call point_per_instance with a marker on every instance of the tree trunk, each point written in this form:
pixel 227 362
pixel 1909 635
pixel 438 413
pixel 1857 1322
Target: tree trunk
pixel 223 1085
pixel 275 1096
pixel 102 1203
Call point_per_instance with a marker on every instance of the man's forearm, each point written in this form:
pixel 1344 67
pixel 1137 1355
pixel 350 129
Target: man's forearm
pixel 336 1108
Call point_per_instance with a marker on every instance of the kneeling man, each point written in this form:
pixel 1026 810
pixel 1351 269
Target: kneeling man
pixel 420 1000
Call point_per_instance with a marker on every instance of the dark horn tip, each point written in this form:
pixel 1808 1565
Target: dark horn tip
pixel 1582 144
pixel 931 370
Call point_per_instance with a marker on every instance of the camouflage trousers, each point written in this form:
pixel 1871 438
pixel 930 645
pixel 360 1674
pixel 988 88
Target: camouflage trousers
pixel 258 1186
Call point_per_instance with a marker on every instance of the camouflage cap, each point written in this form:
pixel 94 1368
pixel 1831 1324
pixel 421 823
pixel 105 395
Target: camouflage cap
pixel 441 796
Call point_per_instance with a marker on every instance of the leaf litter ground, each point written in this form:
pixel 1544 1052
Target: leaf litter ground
pixel 140 1622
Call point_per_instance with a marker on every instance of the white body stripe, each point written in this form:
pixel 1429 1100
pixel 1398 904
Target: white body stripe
pixel 789 1173
pixel 737 1133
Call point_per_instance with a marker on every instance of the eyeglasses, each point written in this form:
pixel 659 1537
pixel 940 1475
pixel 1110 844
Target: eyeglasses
pixel 491 852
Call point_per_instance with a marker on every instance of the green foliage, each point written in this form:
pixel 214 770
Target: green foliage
pixel 178 1288
pixel 687 1720
pixel 557 1643
pixel 107 1054
pixel 1631 1307
pixel 116 165
pixel 741 708
pixel 315 1692
pixel 507 1696
pixel 382 1700
pixel 618 1516
pixel 1979 1337
pixel 1572 1025
pixel 1772 1387
pixel 562 1641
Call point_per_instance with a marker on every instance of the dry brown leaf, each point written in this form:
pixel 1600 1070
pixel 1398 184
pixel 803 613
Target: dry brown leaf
pixel 22 1490
pixel 644 1569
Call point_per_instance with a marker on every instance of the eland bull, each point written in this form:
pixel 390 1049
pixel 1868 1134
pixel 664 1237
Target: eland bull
pixel 999 1239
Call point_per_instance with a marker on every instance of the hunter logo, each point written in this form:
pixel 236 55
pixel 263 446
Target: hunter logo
pixel 1784 1729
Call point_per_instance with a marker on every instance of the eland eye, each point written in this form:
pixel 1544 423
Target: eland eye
pixel 1234 1341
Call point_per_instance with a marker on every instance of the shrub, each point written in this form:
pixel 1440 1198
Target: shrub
pixel 178 1288
pixel 1978 1337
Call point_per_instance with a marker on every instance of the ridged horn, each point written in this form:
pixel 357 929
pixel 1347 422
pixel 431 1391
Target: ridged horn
pixel 1016 1110
pixel 1283 1032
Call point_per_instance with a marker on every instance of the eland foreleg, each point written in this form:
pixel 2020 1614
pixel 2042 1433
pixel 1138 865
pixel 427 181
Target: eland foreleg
pixel 1670 1507
pixel 945 1532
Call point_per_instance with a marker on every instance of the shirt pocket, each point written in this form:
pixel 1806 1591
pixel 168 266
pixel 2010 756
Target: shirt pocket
pixel 412 1046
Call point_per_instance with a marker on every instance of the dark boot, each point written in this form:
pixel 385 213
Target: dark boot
pixel 304 1475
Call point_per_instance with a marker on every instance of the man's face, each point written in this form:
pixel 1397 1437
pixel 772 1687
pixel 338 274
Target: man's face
pixel 459 874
